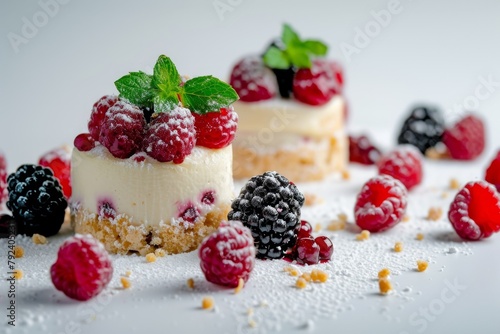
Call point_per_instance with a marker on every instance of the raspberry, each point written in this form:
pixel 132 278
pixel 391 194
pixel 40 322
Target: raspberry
pixel 493 172
pixel 381 204
pixel 475 211
pixel 307 251
pixel 404 164
pixel 98 111
pixel 216 129
pixel 423 128
pixel 84 142
pixel 325 247
pixel 83 268
pixel 317 85
pixel 228 254
pixel 36 200
pixel 3 180
pixel 252 80
pixel 270 206
pixel 466 139
pixel 170 136
pixel 362 151
pixel 122 129
pixel 59 161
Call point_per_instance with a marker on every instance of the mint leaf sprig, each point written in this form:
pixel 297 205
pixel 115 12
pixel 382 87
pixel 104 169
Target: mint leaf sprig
pixel 296 52
pixel 164 90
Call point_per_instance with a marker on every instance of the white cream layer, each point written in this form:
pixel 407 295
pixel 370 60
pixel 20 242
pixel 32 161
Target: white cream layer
pixel 151 192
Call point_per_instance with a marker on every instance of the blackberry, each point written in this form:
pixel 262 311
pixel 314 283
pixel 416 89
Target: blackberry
pixel 270 206
pixel 423 128
pixel 36 200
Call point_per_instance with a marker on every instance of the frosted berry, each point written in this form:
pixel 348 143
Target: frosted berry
pixel 381 204
pixel 466 139
pixel 475 211
pixel 3 179
pixel 122 129
pixel 98 111
pixel 170 136
pixel 315 85
pixel 228 254
pixel 325 247
pixel 252 80
pixel 404 164
pixel 83 268
pixel 493 172
pixel 84 142
pixel 361 150
pixel 216 129
pixel 307 251
pixel 59 161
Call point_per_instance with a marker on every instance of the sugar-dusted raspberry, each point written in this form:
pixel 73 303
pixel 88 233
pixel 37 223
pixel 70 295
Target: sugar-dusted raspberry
pixel 228 254
pixel 493 172
pixel 59 161
pixel 171 136
pixel 475 211
pixel 122 129
pixel 381 204
pixel 3 180
pixel 252 80
pixel 216 129
pixel 404 164
pixel 84 142
pixel 361 150
pixel 466 139
pixel 315 85
pixel 98 111
pixel 83 268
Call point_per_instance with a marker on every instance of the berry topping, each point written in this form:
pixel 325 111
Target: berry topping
pixel 106 209
pixel 36 200
pixel 325 247
pixel 404 164
pixel 190 214
pixel 493 172
pixel 423 128
pixel 466 139
pixel 208 197
pixel 97 116
pixel 252 80
pixel 270 206
pixel 59 161
pixel 228 254
pixel 475 211
pixel 83 268
pixel 84 142
pixel 3 180
pixel 317 85
pixel 305 230
pixel 307 251
pixel 362 151
pixel 381 204
pixel 216 129
pixel 122 129
pixel 170 136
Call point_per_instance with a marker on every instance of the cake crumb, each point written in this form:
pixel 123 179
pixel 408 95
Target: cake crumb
pixel 444 194
pixel 241 284
pixel 437 154
pixel 128 273
pixel 312 199
pixel 342 217
pixel 18 252
pixel 156 241
pixel 18 274
pixel 364 235
pixel 292 271
pixel 317 227
pixel 252 323
pixel 39 239
pixel 250 311
pixel 346 175
pixel 398 247
pixel 336 226
pixel 306 276
pixel 301 283
pixel 384 273
pixel 405 219
pixel 160 252
pixel 420 236
pixel 150 257
pixel 125 283
pixel 434 213
pixel 454 184
pixel 422 265
pixel 319 276
pixel 384 285
pixel 207 303
pixel 190 283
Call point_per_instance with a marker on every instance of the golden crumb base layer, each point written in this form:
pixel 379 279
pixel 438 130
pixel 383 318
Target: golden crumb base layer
pixel 307 163
pixel 120 236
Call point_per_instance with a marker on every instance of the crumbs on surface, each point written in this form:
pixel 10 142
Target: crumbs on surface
pixel 384 273
pixel 319 276
pixel 312 199
pixel 317 227
pixel 405 219
pixel 422 265
pixel 434 213
pixel 160 252
pixel 301 283
pixel 364 235
pixel 454 184
pixel 125 282
pixel 239 287
pixel 18 274
pixel 18 251
pixel 420 236
pixel 398 247
pixel 339 223
pixel 207 303
pixel 38 239
pixel 346 175
pixel 384 285
pixel 190 283
pixel 306 276
pixel 128 273
pixel 151 257
pixel 291 270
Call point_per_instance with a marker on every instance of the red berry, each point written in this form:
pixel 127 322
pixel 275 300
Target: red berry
pixel 84 142
pixel 362 151
pixel 307 251
pixel 381 204
pixel 315 85
pixel 404 164
pixel 122 129
pixel 216 129
pixel 170 136
pixel 252 80
pixel 466 139
pixel 305 230
pixel 475 211
pixel 98 111
pixel 3 180
pixel 83 268
pixel 325 247
pixel 228 254
pixel 59 161
pixel 493 172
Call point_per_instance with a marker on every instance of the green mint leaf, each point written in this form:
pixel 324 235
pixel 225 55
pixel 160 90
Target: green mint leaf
pixel 135 87
pixel 299 57
pixel 205 94
pixel 165 102
pixel 276 58
pixel 315 47
pixel 166 78
pixel 289 35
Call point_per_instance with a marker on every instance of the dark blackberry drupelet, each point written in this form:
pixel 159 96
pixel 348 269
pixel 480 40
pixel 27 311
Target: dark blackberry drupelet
pixel 36 200
pixel 423 128
pixel 269 204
